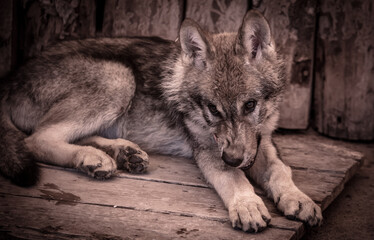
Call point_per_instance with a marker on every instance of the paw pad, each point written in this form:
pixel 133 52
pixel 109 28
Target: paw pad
pixel 132 160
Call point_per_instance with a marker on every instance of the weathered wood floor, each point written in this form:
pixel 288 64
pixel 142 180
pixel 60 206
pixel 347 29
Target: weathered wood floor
pixel 171 201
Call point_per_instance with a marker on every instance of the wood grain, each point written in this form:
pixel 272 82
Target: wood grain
pixel 107 222
pixel 160 18
pixel 6 21
pixel 344 99
pixel 316 153
pixel 170 201
pixel 293 26
pixel 46 22
pixel 217 15
pixel 61 187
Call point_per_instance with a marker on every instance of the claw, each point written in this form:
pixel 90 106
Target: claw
pixel 300 207
pixel 267 220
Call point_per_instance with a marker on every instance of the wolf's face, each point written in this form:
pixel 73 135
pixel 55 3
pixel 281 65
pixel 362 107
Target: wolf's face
pixel 231 85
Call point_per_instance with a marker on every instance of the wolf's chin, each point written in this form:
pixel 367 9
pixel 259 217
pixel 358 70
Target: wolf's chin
pixel 246 167
pixel 247 164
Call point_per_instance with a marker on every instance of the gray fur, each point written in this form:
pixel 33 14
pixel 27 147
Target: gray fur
pixel 84 104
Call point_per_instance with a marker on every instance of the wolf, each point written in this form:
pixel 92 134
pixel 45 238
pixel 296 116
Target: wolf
pixel 99 105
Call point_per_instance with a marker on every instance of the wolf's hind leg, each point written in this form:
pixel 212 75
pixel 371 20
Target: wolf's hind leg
pixel 127 154
pixel 96 94
pixel 51 145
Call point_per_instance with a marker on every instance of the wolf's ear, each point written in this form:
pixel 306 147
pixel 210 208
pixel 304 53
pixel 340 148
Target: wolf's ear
pixel 195 47
pixel 254 35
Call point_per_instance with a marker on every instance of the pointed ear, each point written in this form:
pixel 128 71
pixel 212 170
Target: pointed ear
pixel 254 35
pixel 195 47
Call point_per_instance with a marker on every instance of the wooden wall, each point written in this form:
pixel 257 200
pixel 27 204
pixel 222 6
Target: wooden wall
pixel 217 15
pixel 327 46
pixel 6 17
pixel 41 23
pixel 146 18
pixel 293 24
pixel 344 82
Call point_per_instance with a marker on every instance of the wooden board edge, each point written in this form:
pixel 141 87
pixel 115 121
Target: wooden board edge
pixel 51 232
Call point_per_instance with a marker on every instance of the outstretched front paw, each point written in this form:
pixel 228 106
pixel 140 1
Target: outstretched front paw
pixel 249 214
pixel 299 206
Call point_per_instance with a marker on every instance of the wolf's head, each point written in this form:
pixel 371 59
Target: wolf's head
pixel 227 86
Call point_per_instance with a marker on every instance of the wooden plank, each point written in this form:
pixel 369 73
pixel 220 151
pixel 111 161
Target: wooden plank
pixel 217 15
pixel 344 83
pixel 293 26
pixel 321 187
pixel 172 191
pixel 160 18
pixel 175 170
pixel 307 152
pixel 320 167
pixel 317 153
pixel 6 21
pixel 64 187
pixel 39 219
pixel 48 21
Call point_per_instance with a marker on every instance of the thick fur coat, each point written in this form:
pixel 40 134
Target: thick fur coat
pixel 99 105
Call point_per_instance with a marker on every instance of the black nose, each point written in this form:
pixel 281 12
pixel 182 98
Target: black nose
pixel 230 160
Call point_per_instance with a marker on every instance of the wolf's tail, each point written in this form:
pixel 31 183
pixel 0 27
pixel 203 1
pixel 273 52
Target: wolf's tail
pixel 16 163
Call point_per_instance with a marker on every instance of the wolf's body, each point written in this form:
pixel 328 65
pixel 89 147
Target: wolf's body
pixel 84 104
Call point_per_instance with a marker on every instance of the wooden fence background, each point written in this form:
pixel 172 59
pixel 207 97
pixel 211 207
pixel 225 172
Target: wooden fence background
pixel 328 46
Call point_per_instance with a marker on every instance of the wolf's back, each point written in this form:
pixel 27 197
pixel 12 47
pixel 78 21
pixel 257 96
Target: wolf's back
pixel 16 163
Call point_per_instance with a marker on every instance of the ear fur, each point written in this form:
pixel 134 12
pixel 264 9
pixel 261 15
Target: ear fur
pixel 254 35
pixel 195 47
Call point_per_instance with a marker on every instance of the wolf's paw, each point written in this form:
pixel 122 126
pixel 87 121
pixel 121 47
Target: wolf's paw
pixel 249 214
pixel 299 206
pixel 130 157
pixel 95 163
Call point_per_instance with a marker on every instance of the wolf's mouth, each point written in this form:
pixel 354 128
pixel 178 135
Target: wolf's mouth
pixel 249 165
pixel 255 156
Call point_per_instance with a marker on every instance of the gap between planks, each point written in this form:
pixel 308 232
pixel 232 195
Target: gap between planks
pixel 314 164
pixel 113 223
pixel 203 200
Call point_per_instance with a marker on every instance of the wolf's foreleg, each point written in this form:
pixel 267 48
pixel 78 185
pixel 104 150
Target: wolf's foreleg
pixel 246 210
pixel 128 155
pixel 276 178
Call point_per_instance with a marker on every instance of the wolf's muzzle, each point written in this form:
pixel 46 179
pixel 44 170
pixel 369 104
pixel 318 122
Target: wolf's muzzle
pixel 230 160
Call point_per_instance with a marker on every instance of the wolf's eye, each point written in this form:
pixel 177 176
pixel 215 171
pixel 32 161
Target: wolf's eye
pixel 249 106
pixel 213 109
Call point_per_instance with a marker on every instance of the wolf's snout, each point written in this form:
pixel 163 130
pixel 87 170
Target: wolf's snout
pixel 231 160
